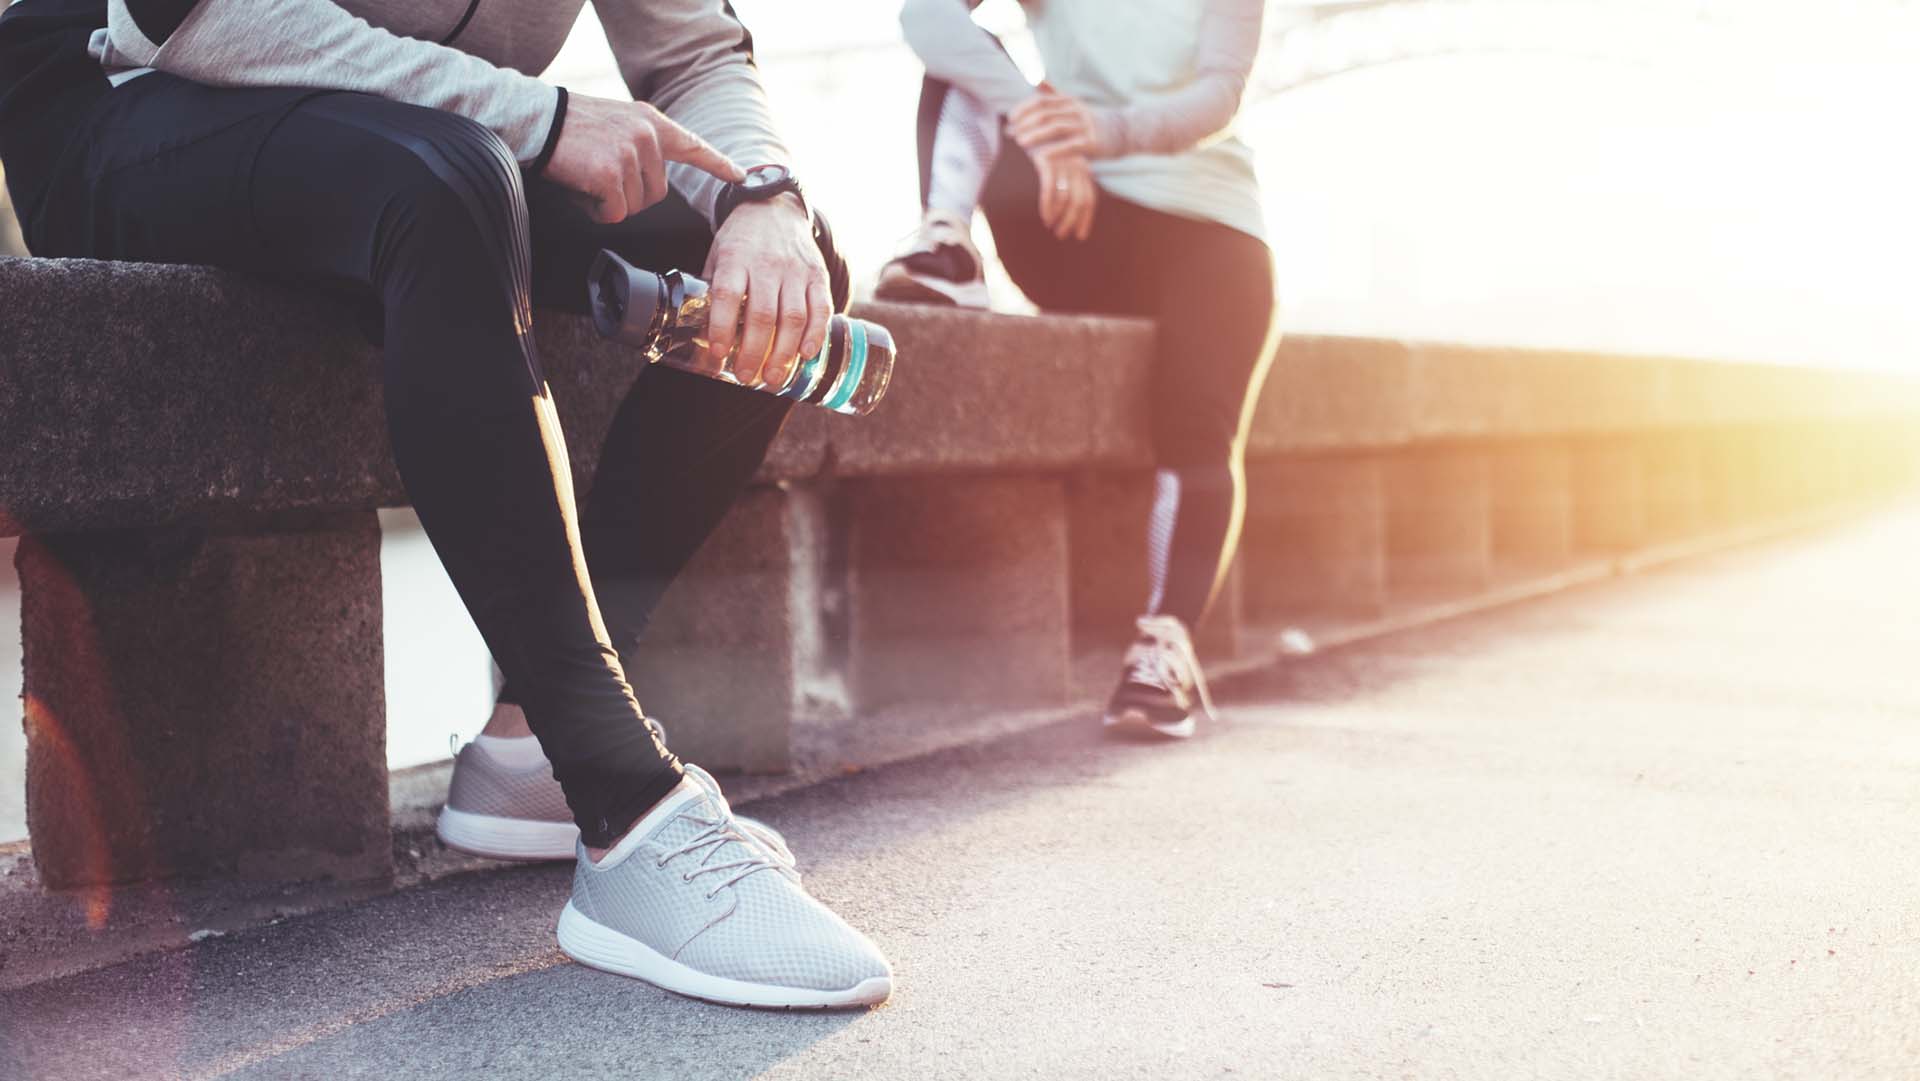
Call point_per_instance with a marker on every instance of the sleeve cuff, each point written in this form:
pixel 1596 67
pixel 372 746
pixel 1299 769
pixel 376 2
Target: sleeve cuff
pixel 541 159
pixel 1110 133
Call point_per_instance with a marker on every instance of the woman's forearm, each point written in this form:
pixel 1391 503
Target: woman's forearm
pixel 955 49
pixel 1201 111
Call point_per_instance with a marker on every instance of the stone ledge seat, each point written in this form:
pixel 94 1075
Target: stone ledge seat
pixel 195 458
pixel 137 394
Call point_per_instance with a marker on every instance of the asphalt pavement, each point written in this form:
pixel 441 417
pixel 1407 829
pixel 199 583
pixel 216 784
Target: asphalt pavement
pixel 1658 828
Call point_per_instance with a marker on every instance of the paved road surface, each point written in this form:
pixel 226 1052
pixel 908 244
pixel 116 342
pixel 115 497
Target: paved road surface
pixel 1662 828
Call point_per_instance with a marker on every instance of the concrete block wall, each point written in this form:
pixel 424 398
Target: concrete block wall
pixel 1610 494
pixel 1315 536
pixel 950 576
pixel 205 703
pixel 1439 520
pixel 957 591
pixel 738 639
pixel 202 635
pixel 1530 497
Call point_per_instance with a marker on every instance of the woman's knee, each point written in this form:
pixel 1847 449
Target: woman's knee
pixel 1204 400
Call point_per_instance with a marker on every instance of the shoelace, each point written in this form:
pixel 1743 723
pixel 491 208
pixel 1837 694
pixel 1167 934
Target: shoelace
pixel 764 836
pixel 714 836
pixel 1164 658
pixel 1153 664
pixel 753 833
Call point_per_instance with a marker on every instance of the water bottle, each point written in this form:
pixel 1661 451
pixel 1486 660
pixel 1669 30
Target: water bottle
pixel 665 316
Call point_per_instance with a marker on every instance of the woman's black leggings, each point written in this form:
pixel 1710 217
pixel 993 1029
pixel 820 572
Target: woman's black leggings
pixel 1210 289
pixel 426 216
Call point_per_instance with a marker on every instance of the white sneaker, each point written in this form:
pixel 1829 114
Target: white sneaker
pixel 1161 685
pixel 939 266
pixel 503 813
pixel 688 902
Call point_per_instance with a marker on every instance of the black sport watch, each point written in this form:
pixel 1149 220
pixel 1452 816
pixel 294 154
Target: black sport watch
pixel 761 183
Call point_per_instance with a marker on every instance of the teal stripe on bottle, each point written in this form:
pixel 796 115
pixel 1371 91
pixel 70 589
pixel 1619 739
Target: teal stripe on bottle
pixel 802 384
pixel 856 366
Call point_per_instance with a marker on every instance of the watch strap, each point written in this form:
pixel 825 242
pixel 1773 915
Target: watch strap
pixel 732 195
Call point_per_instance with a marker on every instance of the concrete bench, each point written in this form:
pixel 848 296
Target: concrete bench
pixel 194 460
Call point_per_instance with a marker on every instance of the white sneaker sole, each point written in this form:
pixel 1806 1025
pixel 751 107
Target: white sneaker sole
pixel 1132 722
pixel 903 285
pixel 598 946
pixel 507 838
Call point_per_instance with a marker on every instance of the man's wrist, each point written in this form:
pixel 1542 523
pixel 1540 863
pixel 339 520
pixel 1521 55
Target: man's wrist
pixel 787 201
pixel 763 183
pixel 552 142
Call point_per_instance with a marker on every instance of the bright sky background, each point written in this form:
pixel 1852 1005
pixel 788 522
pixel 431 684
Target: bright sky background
pixel 1740 186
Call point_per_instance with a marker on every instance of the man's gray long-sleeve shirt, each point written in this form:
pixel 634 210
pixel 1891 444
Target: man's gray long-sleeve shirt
pixel 477 58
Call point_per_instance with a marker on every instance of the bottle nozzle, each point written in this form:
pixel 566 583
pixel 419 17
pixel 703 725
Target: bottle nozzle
pixel 625 300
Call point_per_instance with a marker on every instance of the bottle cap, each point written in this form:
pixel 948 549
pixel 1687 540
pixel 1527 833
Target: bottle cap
pixel 626 301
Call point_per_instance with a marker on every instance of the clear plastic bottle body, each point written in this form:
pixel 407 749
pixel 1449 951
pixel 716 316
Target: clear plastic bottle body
pixel 666 317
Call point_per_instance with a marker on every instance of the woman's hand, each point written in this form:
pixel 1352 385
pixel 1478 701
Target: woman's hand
pixel 1068 194
pixel 765 261
pixel 1052 122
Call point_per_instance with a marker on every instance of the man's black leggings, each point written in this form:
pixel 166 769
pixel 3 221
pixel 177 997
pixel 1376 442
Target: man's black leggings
pixel 426 216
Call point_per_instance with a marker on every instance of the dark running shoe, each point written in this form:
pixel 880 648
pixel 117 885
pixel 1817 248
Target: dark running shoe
pixel 940 266
pixel 1161 687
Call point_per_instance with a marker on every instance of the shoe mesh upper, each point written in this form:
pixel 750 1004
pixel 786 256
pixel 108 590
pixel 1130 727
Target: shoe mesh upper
pixel 779 935
pixel 761 928
pixel 1160 676
pixel 482 786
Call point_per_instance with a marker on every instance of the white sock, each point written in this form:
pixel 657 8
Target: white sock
pixel 966 143
pixel 513 752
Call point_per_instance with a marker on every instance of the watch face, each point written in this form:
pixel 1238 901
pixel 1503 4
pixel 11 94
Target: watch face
pixel 762 177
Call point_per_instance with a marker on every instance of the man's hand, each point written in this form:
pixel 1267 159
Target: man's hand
pixel 1050 122
pixel 1068 194
pixel 764 258
pixel 615 154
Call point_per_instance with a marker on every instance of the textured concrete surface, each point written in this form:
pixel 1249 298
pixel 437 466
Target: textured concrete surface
pixel 1609 494
pixel 977 390
pixel 1107 534
pixel 957 591
pixel 1652 830
pixel 1316 537
pixel 724 655
pixel 1673 484
pixel 1531 498
pixel 185 383
pixel 1439 520
pixel 200 703
pixel 1727 461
